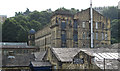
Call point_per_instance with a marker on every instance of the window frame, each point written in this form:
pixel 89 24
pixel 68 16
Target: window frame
pixel 83 24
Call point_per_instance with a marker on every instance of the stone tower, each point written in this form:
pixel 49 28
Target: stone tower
pixel 31 38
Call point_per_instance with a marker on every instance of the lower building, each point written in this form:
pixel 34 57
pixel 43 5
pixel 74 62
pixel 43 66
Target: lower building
pixel 64 59
pixel 19 62
pixel 16 48
pixel 40 66
pixel 83 58
pixel 70 58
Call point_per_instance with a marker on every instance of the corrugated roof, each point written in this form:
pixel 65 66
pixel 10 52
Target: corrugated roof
pixel 111 61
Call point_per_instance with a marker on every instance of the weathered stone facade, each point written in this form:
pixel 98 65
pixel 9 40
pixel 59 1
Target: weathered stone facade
pixel 101 29
pixel 70 58
pixel 68 30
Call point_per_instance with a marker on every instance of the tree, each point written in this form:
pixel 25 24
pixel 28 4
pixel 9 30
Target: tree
pixel 10 30
pixel 115 34
pixel 15 29
pixel 111 12
pixel 27 12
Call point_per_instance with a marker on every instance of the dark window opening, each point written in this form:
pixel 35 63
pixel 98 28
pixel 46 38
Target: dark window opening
pixel 103 25
pixel 63 37
pixel 63 25
pixel 59 20
pixel 75 37
pixel 75 24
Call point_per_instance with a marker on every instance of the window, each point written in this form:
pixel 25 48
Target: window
pixel 67 21
pixel 75 24
pixel 96 25
pixel 78 61
pixel 103 25
pixel 83 35
pixel 55 67
pixel 63 25
pixel 106 36
pixel 63 38
pixel 75 37
pixel 89 25
pixel 102 36
pixel 83 45
pixel 99 24
pixel 97 36
pixel 59 20
pixel 83 24
pixel 88 35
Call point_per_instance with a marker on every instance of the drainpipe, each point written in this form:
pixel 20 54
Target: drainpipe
pixel 91 15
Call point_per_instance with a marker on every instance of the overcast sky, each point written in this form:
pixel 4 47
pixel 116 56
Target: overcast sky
pixel 9 7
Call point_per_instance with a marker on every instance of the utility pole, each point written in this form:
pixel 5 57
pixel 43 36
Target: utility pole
pixel 91 18
pixel 104 64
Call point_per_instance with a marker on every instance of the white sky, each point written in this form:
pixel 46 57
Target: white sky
pixel 9 7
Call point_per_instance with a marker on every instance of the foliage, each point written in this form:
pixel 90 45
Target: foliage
pixel 72 10
pixel 113 14
pixel 115 34
pixel 15 29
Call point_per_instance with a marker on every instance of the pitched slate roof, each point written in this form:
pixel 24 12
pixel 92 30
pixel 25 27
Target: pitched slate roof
pixel 116 45
pixel 65 54
pixel 39 55
pixel 40 63
pixel 110 55
pixel 17 60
